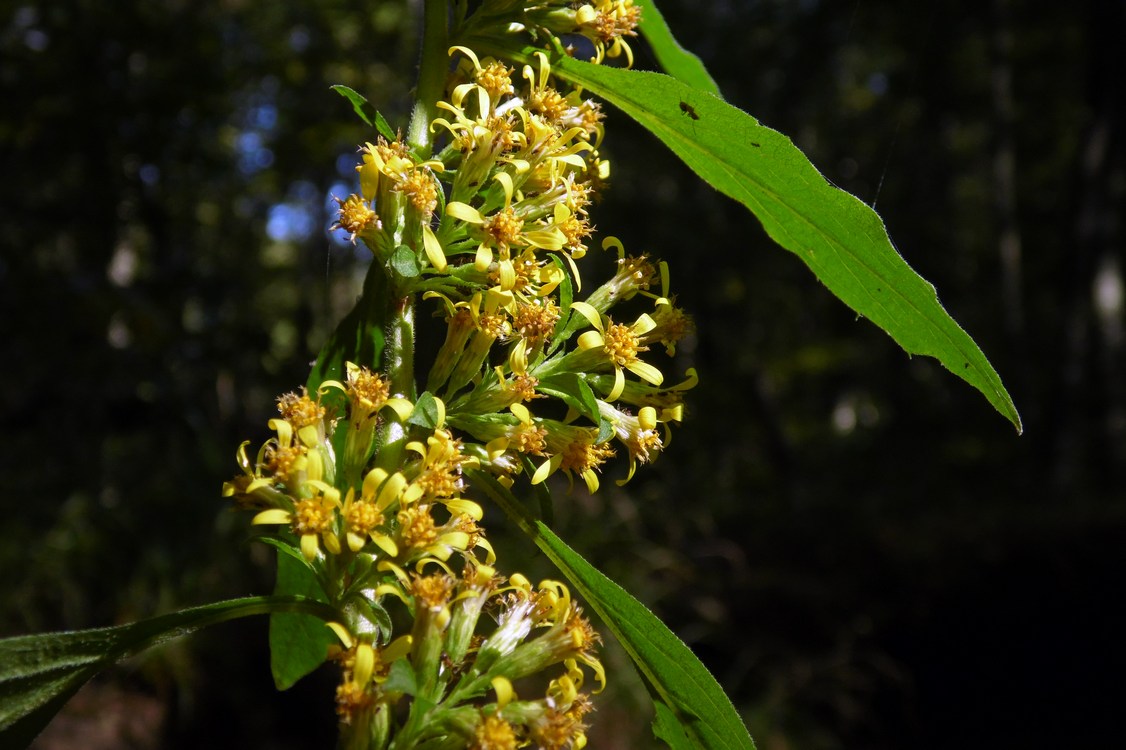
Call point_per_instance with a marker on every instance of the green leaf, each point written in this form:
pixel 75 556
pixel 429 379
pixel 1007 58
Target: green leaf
pixel 677 678
pixel 426 413
pixel 39 673
pixel 358 338
pixel 405 263
pixel 400 679
pixel 674 59
pixel 361 105
pixel 384 127
pixel 298 642
pixel 667 727
pixel 572 390
pixel 842 240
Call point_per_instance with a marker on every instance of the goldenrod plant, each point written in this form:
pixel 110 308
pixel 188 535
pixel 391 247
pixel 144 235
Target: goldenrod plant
pixel 373 481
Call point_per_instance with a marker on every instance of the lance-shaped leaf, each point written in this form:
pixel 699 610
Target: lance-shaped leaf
pixel 39 673
pixel 692 709
pixel 843 241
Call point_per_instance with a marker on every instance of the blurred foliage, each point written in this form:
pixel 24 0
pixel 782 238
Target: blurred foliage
pixel 857 545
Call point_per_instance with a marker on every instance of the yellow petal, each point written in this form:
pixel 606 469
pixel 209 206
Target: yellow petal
pixel 547 468
pixel 589 312
pixel 401 406
pixel 464 212
pixel 433 247
pixel 386 543
pixel 369 180
pixel 505 180
pixel 643 325
pixel 647 417
pixel 364 663
pixel 309 547
pixel 484 258
pixel 507 275
pixel 341 633
pixel 272 516
pixel 590 340
pixel 504 691
pixel 468 507
pixel 521 413
pixel 646 372
pixel 619 385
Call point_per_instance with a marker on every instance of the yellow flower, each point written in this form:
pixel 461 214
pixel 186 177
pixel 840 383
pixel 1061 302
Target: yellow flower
pixel 620 344
pixel 503 231
pixel 313 519
pixel 638 433
pixel 355 217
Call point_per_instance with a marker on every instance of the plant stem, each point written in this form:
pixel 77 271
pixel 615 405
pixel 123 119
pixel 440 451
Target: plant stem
pixel 432 69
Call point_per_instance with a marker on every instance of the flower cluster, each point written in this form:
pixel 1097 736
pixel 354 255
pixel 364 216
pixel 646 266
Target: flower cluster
pixel 367 478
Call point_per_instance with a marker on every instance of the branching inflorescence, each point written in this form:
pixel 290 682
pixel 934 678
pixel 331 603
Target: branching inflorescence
pixel 367 479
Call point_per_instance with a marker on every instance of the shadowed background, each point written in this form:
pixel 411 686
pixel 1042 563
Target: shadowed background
pixel 861 550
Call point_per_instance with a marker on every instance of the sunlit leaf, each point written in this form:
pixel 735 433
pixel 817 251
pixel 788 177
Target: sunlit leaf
pixel 361 105
pixel 843 241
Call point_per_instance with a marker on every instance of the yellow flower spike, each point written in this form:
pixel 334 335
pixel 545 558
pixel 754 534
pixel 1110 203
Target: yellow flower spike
pixel 341 633
pixel 272 516
pixel 503 688
pixel 364 663
pixel 433 248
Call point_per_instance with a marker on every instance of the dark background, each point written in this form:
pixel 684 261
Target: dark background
pixel 859 547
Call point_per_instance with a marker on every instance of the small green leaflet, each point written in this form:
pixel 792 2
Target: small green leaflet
pixel 367 113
